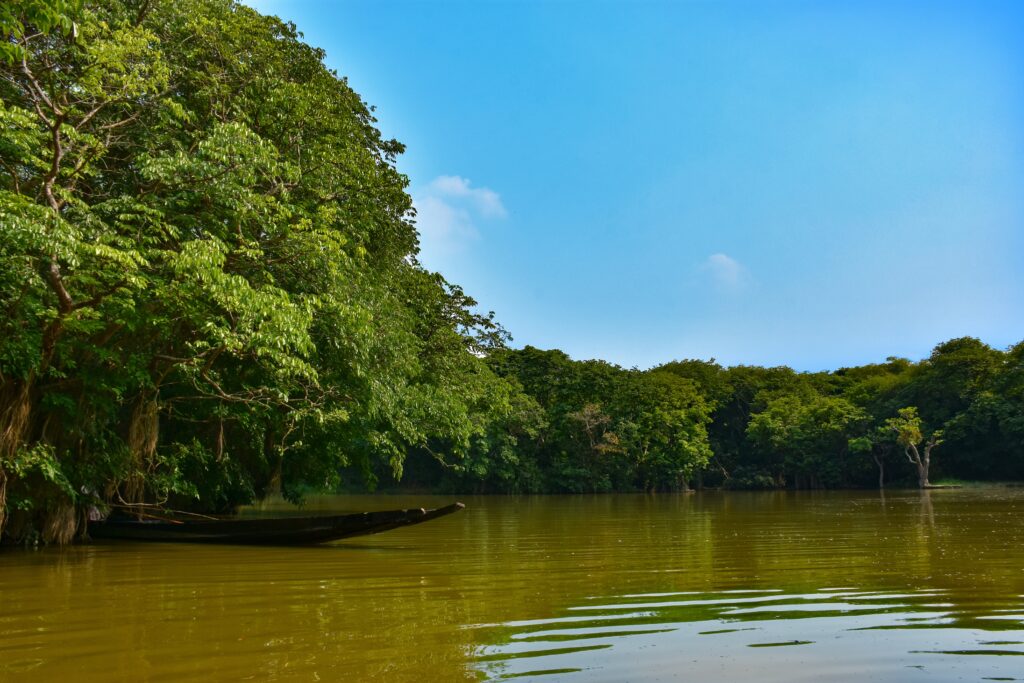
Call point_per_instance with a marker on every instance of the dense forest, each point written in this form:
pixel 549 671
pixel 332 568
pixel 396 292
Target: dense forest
pixel 592 426
pixel 211 292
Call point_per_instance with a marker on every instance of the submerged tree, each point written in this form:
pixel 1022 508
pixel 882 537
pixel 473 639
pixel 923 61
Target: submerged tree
pixel 907 428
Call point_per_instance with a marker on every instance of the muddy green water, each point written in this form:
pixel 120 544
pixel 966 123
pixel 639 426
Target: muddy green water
pixel 703 587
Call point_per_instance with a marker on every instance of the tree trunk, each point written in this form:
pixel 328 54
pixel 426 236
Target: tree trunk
pixel 15 418
pixel 881 471
pixel 914 456
pixel 275 486
pixel 926 465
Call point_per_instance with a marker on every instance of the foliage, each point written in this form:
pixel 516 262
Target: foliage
pixel 696 423
pixel 208 267
pixel 808 437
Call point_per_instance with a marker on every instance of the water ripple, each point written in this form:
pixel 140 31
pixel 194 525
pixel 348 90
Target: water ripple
pixel 767 634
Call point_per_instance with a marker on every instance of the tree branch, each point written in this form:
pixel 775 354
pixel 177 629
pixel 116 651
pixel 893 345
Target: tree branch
pixel 65 304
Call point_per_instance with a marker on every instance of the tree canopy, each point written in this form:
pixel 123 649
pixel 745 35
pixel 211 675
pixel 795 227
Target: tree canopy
pixel 208 268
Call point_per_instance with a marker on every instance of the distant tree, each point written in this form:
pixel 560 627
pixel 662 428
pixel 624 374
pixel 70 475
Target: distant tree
pixel 907 428
pixel 878 444
pixel 663 425
pixel 808 436
pixel 743 391
pixel 956 372
pixel 594 423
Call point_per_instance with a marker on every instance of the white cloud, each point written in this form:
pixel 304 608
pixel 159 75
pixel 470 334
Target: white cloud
pixel 726 272
pixel 448 209
pixel 485 200
pixel 439 220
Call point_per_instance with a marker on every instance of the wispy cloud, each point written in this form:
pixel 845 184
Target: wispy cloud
pixel 726 273
pixel 485 200
pixel 448 212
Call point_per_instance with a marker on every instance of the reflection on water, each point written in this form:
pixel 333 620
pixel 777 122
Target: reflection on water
pixel 704 587
pixel 763 635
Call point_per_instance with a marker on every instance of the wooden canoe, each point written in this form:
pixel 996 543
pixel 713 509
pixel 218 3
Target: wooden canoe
pixel 269 531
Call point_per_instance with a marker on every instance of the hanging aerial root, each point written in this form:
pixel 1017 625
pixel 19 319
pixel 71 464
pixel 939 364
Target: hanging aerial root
pixel 132 491
pixel 143 434
pixel 60 524
pixel 3 500
pixel 15 414
pixel 144 430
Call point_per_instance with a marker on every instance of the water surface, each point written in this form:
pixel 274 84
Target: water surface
pixel 702 587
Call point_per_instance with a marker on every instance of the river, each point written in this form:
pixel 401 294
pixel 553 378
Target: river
pixel 765 587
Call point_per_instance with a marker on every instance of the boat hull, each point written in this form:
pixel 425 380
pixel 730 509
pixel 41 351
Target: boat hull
pixel 275 531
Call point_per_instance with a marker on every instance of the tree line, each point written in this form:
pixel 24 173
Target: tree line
pixel 591 426
pixel 211 292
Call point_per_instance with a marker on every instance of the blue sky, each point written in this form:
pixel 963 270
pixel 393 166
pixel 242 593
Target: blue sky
pixel 815 184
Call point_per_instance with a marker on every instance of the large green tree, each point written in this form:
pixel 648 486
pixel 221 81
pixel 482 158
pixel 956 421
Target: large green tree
pixel 208 268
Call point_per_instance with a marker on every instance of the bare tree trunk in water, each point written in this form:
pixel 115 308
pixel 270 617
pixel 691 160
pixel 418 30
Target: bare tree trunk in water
pixel 914 456
pixel 881 471
pixel 923 464
pixel 932 443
